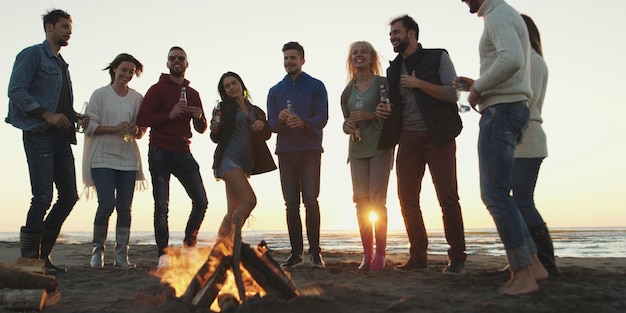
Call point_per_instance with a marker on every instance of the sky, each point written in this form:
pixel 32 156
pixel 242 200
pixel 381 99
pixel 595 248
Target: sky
pixel 581 183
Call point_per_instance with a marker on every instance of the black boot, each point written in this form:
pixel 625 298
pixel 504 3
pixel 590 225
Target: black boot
pixel 29 243
pixel 48 239
pixel 545 249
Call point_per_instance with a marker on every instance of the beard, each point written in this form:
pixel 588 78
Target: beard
pixel 473 6
pixel 404 43
pixel 62 42
pixel 293 71
pixel 176 73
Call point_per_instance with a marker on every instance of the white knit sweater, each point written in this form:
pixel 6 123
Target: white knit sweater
pixel 504 56
pixel 107 108
pixel 534 143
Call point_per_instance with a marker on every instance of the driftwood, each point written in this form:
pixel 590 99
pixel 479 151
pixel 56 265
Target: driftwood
pixel 25 285
pixel 27 265
pixel 14 278
pixel 23 299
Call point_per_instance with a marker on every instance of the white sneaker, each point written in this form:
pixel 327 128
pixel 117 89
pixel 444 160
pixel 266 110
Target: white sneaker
pixel 165 261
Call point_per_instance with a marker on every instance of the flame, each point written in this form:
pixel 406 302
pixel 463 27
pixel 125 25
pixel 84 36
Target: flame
pixel 185 263
pixel 230 287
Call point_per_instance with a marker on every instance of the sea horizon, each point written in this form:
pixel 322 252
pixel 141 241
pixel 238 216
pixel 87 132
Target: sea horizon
pixel 586 242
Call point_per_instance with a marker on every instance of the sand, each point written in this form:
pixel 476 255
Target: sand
pixel 586 285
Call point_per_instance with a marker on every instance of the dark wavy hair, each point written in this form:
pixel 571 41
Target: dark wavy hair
pixel 53 16
pixel 123 57
pixel 409 24
pixel 222 90
pixel 533 34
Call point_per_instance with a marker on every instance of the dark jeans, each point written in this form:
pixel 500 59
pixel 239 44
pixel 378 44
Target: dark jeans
pixel 50 163
pixel 525 173
pixel 183 166
pixel 501 128
pixel 115 191
pixel 415 150
pixel 300 174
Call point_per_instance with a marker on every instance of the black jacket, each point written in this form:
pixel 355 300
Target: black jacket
pixel 441 118
pixel 263 160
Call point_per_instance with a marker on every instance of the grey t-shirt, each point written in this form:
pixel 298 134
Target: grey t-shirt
pixel 411 116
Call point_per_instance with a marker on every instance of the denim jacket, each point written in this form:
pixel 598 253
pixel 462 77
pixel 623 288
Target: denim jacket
pixel 35 82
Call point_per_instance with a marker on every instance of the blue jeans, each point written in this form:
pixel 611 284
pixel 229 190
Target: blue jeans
pixel 50 162
pixel 182 165
pixel 501 128
pixel 115 191
pixel 300 175
pixel 525 173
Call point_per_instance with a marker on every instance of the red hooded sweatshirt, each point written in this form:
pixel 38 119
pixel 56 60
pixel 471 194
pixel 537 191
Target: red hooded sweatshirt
pixel 173 135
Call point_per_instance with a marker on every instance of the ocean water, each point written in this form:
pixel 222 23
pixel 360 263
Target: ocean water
pixel 568 242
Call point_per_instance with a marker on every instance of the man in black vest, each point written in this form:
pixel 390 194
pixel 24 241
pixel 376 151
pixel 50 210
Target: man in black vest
pixel 424 122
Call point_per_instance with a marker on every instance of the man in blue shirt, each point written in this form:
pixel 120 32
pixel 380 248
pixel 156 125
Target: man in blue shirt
pixel 41 105
pixel 299 148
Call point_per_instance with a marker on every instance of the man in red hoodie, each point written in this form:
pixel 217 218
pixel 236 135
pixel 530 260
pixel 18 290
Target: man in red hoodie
pixel 167 113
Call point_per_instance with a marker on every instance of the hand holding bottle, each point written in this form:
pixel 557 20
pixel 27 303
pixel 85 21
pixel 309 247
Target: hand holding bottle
pixel 80 117
pixel 129 129
pixel 355 117
pixel 216 119
pixel 383 109
pixel 179 108
pixel 286 113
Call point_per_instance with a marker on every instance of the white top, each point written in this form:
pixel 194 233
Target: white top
pixel 504 56
pixel 107 108
pixel 534 142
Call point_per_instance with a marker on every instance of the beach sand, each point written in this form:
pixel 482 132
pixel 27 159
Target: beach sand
pixel 586 285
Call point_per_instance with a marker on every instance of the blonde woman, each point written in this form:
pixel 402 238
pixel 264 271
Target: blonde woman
pixel 369 167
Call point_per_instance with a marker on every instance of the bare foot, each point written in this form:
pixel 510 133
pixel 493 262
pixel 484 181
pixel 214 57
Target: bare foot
pixel 522 282
pixel 511 276
pixel 539 272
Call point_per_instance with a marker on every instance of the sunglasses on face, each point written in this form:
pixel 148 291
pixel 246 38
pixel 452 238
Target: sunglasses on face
pixel 173 58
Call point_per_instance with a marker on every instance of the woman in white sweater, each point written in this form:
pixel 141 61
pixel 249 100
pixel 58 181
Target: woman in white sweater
pixel 111 159
pixel 529 155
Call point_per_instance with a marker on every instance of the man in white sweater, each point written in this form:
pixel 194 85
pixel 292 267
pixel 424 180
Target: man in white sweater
pixel 501 95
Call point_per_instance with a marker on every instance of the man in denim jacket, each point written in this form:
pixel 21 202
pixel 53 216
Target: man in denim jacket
pixel 41 105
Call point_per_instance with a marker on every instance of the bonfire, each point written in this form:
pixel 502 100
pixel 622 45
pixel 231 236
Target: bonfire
pixel 226 275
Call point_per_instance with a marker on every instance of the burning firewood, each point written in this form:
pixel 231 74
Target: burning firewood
pixel 207 283
pixel 227 302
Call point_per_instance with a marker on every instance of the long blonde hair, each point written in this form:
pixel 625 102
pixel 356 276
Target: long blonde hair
pixel 375 67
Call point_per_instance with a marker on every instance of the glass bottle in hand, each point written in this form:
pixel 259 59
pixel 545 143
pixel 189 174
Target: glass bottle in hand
pixel 461 92
pixel 217 113
pixel 356 136
pixel 129 136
